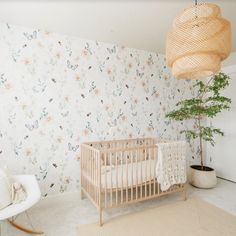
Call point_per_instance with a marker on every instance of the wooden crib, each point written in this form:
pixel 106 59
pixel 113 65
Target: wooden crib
pixel 118 172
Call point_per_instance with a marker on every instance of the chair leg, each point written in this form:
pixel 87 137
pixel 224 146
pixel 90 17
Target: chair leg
pixel 185 192
pixel 3 228
pixel 100 217
pixel 22 228
pixel 82 195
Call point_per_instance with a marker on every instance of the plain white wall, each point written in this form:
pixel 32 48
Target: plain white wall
pixel 141 24
pixel 223 155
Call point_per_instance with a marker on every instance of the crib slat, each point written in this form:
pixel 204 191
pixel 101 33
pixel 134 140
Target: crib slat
pixel 92 169
pixel 94 179
pixel 93 183
pixel 81 171
pixel 99 160
pixel 105 163
pixel 132 175
pixel 145 158
pixel 136 162
pixel 158 186
pixel 154 169
pixel 89 172
pixel 122 176
pixel 116 179
pixel 97 170
pixel 111 185
pixel 87 168
pixel 126 159
pixel 150 152
pixel 141 175
pixel 98 174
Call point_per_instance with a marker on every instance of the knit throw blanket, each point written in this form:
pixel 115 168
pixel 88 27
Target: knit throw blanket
pixel 171 164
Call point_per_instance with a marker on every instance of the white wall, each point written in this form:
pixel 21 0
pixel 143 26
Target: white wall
pixel 139 24
pixel 230 61
pixel 223 155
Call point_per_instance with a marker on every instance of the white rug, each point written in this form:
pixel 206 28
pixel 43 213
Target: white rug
pixel 193 217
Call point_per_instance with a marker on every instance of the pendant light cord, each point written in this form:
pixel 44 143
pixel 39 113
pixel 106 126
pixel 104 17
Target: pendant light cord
pixel 195 9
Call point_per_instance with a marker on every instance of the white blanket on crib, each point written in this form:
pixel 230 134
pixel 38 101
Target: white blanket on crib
pixel 171 164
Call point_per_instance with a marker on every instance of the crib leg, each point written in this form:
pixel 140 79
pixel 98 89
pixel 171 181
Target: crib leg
pixel 100 217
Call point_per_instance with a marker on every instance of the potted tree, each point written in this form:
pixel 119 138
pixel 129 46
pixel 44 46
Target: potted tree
pixel 207 103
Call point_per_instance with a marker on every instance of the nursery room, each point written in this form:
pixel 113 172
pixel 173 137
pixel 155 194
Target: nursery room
pixel 117 117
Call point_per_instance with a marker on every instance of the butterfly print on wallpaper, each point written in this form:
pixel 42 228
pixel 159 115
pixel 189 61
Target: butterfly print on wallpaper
pixel 57 91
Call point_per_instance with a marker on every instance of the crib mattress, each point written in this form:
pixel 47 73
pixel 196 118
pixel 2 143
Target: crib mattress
pixel 128 175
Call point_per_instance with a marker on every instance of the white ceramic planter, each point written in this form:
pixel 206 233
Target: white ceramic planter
pixel 202 178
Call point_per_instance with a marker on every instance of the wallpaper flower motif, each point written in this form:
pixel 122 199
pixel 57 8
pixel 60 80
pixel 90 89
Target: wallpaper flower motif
pixel 58 91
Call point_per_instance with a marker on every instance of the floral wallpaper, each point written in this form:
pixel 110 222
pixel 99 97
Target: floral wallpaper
pixel 58 91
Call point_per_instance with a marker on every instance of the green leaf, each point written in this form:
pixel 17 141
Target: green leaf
pixel 207 103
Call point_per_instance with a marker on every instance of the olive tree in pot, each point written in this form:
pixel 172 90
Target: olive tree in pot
pixel 206 104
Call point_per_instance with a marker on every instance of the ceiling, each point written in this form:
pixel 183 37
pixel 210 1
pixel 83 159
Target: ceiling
pixel 141 24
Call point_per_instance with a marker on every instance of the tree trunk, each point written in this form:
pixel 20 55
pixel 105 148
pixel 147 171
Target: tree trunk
pixel 200 142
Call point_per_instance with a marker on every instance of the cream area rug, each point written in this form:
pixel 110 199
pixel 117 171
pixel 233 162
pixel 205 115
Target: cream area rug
pixel 193 217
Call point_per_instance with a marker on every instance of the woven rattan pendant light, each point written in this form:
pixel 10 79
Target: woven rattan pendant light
pixel 198 41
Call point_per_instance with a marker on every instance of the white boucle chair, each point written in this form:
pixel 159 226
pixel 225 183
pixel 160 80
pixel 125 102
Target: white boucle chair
pixel 32 189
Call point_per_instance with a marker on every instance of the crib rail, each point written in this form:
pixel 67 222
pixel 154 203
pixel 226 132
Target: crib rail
pixel 121 143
